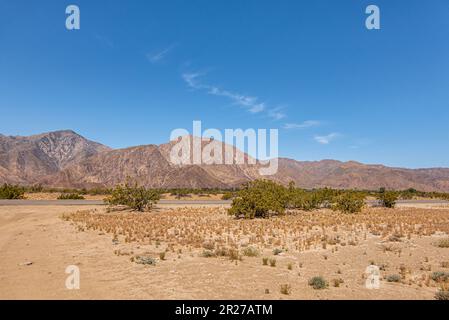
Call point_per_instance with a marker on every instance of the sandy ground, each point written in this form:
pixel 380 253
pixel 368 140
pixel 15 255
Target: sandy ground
pixel 167 196
pixel 39 236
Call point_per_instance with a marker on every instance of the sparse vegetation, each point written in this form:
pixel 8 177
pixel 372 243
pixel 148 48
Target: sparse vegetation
pixel 259 199
pixel 134 197
pixel 286 289
pixel 318 283
pixel 251 252
pixel 145 260
pixel 387 199
pixel 70 196
pixel 393 278
pixel 443 243
pixel 349 203
pixel 11 192
pixel 440 276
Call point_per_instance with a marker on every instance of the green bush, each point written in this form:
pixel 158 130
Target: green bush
pixel 349 202
pixel 259 199
pixel 318 283
pixel 227 196
pixel 134 197
pixel 11 192
pixel 70 196
pixel 387 199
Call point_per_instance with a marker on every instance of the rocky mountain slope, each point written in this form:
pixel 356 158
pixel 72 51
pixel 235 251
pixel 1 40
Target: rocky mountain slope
pixel 26 160
pixel 65 159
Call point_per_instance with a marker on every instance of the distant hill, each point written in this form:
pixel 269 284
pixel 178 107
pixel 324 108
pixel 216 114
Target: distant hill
pixel 66 159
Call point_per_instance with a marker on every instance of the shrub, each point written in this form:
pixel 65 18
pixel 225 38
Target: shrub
pixel 273 263
pixel 233 254
pixel 318 283
pixel 227 196
pixel 337 282
pixel 349 202
pixel 393 278
pixel 277 251
pixel 208 254
pixel 70 196
pixel 308 200
pixel 145 260
pixel 443 243
pixel 442 295
pixel 11 192
pixel 259 199
pixel 134 197
pixel 286 289
pixel 251 252
pixel 387 199
pixel 265 261
pixel 440 276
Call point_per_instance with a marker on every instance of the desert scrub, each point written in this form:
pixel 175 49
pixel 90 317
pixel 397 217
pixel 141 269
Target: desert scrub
pixel 277 251
pixel 208 254
pixel 318 283
pixel 393 278
pixel 134 197
pixel 443 243
pixel 440 276
pixel 290 266
pixel 265 261
pixel 349 203
pixel 337 282
pixel 145 260
pixel 273 263
pixel 11 192
pixel 387 199
pixel 286 289
pixel 442 295
pixel 70 196
pixel 251 252
pixel 162 256
pixel 259 199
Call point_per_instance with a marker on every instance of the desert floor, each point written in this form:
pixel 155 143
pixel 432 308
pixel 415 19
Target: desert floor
pixel 38 243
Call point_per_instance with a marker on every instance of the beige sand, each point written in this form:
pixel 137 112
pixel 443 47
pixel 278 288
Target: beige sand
pixel 40 236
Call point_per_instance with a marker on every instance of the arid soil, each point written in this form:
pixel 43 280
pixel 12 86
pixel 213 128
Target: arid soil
pixel 37 244
pixel 165 196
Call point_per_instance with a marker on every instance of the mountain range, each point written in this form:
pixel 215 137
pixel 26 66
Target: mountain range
pixel 66 159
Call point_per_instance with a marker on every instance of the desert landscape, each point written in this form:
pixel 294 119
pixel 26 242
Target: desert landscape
pixel 200 252
pixel 217 153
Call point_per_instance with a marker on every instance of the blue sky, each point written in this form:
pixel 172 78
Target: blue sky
pixel 139 69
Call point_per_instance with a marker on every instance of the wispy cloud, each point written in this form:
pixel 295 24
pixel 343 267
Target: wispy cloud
pixel 155 57
pixel 276 114
pixel 327 139
pixel 304 125
pixel 251 103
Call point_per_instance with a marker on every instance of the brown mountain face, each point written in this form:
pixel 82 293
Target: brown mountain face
pixel 26 160
pixel 65 159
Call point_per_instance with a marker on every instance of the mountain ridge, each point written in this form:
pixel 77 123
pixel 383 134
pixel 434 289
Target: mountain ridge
pixel 66 159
